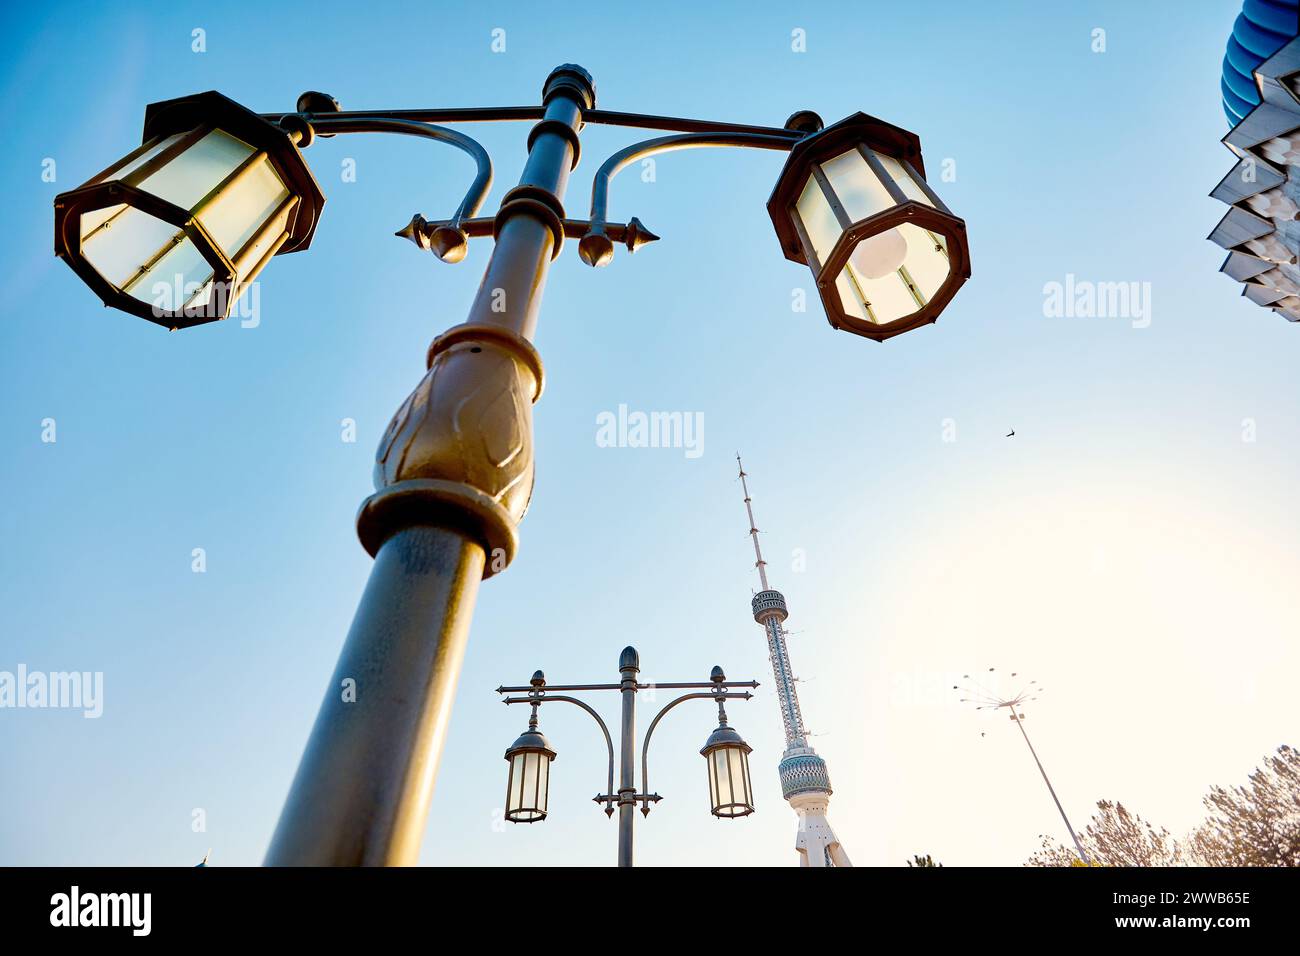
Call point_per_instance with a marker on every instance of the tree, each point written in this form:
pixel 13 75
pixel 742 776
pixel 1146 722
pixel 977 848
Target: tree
pixel 1254 825
pixel 1115 837
pixel 918 860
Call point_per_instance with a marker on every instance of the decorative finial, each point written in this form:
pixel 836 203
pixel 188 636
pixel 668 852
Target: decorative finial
pixel 805 121
pixel 445 240
pixel 637 235
pixel 596 248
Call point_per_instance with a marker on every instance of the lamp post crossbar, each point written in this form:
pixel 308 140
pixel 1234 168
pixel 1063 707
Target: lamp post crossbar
pixel 697 685
pixel 627 796
pixel 506 114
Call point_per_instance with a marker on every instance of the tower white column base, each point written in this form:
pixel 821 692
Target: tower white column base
pixel 816 842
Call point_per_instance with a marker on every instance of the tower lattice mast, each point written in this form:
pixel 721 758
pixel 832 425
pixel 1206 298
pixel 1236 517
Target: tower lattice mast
pixel 805 781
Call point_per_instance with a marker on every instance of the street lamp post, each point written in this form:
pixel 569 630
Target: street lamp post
pixel 454 473
pixel 727 755
pixel 454 469
pixel 987 700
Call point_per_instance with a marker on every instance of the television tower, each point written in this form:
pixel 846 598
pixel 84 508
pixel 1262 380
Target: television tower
pixel 805 782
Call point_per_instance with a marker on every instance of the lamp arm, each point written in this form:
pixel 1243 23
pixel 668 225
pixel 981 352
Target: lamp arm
pixel 596 247
pixel 667 144
pixel 645 744
pixel 381 123
pixel 609 742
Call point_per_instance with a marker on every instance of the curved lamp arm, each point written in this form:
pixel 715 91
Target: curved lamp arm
pixel 596 248
pixel 478 189
pixel 609 743
pixel 645 744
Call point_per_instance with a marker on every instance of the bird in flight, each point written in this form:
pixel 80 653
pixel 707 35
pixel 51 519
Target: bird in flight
pixel 1013 431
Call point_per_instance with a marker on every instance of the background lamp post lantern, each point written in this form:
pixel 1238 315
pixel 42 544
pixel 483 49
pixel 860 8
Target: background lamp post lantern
pixel 216 190
pixel 730 792
pixel 853 204
pixel 727 755
pixel 176 230
pixel 530 759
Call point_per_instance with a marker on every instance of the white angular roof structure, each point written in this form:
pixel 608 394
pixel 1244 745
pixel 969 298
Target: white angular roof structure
pixel 1261 231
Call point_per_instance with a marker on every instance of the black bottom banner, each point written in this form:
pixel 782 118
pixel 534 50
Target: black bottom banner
pixel 518 905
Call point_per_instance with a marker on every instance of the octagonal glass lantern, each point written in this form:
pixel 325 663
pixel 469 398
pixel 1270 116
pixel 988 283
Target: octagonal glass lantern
pixel 527 788
pixel 852 203
pixel 730 791
pixel 175 231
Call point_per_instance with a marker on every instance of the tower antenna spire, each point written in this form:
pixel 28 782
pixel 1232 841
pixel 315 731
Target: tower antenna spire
pixel 753 528
pixel 805 781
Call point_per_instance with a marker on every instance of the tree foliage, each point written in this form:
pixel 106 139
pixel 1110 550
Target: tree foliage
pixel 1253 825
pixel 1114 837
pixel 918 860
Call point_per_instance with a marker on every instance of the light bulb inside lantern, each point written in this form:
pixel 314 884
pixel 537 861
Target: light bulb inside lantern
pixel 879 255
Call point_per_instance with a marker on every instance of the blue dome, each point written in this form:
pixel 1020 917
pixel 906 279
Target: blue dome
pixel 1262 29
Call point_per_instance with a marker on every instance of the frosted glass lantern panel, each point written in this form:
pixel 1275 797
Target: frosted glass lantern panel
pixel 858 189
pixel 543 773
pixel 818 219
pixel 120 241
pixel 850 298
pixel 235 215
pixel 904 179
pixel 736 767
pixel 886 299
pixel 198 170
pixel 515 798
pixel 175 280
pixel 529 774
pixel 729 782
pixel 879 255
pixel 927 260
pixel 721 785
pixel 252 254
pixel 918 275
pixel 127 166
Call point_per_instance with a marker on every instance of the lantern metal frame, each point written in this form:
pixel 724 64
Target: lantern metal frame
pixel 867 134
pixel 627 797
pixel 195 116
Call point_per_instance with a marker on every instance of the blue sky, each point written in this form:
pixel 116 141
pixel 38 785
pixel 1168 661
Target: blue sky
pixel 1127 547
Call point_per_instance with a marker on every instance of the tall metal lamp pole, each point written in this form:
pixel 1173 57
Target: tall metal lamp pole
pixel 986 700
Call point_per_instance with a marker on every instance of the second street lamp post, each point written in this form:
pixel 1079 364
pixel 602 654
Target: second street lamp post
pixel 727 755
pixel 215 192
pixel 987 700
